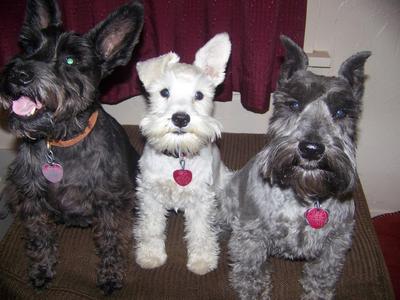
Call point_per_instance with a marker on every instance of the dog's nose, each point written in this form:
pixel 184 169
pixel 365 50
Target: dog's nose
pixel 180 119
pixel 21 76
pixel 311 151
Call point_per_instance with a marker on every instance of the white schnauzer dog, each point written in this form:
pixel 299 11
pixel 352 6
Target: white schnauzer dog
pixel 180 167
pixel 293 200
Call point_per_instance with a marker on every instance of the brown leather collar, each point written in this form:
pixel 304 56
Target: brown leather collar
pixel 68 143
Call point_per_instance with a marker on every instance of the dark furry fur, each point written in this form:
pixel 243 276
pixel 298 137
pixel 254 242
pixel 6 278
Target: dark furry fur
pixel 99 171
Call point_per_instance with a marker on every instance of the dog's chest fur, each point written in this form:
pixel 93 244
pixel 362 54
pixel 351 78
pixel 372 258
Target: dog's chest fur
pixel 72 200
pixel 157 173
pixel 279 217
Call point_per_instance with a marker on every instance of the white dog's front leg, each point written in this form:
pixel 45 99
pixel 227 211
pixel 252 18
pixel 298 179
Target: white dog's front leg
pixel 201 237
pixel 149 232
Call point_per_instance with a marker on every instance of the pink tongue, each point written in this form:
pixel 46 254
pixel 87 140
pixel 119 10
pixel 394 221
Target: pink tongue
pixel 24 105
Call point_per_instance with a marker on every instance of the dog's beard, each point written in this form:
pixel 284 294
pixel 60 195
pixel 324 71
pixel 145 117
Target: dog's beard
pixel 332 176
pixel 165 137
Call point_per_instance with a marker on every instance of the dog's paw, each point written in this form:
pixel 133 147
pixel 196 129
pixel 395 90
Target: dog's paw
pixel 109 286
pixel 316 289
pixel 202 265
pixel 108 282
pixel 317 296
pixel 149 259
pixel 41 276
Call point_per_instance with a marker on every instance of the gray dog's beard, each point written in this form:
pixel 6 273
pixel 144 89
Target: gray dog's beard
pixel 332 176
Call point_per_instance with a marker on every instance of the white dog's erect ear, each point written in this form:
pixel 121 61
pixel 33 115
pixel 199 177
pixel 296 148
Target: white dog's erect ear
pixel 213 57
pixel 152 68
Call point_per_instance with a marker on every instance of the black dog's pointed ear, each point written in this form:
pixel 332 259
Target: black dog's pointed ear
pixel 295 59
pixel 115 37
pixel 41 14
pixel 353 71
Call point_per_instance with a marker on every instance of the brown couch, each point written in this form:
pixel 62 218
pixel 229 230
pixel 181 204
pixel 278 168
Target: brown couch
pixel 364 277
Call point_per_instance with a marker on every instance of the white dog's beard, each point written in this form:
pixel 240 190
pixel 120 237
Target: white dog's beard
pixel 163 136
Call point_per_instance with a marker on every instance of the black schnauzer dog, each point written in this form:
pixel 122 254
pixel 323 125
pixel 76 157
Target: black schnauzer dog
pixel 75 164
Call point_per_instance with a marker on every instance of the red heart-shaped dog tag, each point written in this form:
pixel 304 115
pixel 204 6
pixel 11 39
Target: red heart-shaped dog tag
pixel 182 177
pixel 53 172
pixel 316 217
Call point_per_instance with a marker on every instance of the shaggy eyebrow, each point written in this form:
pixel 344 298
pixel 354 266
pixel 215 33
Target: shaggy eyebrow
pixel 342 97
pixel 303 92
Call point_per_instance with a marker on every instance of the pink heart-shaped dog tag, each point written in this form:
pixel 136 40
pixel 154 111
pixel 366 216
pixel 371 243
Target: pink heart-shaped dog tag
pixel 182 177
pixel 316 217
pixel 53 172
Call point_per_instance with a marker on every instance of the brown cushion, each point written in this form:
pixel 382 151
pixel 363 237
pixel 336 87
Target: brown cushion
pixel 364 276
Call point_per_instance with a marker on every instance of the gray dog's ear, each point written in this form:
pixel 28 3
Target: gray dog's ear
pixel 116 36
pixel 41 14
pixel 353 71
pixel 295 59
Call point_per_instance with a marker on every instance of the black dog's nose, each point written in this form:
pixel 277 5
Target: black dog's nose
pixel 311 151
pixel 21 76
pixel 180 119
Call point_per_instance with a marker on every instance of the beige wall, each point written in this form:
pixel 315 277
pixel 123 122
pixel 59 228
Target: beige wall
pixel 341 28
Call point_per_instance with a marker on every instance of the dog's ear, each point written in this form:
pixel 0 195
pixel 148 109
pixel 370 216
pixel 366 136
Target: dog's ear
pixel 353 71
pixel 41 14
pixel 295 59
pixel 152 68
pixel 116 36
pixel 213 57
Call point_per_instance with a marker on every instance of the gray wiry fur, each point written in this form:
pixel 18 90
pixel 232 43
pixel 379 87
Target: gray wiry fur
pixel 309 156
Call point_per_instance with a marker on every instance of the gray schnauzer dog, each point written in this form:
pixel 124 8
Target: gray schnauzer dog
pixel 75 164
pixel 293 200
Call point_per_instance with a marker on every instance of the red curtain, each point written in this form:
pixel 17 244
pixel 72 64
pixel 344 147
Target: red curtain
pixel 184 26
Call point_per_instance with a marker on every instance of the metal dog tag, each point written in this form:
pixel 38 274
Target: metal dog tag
pixel 316 217
pixel 182 177
pixel 51 170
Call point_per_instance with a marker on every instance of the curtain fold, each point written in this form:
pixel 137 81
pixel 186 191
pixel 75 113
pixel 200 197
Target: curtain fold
pixel 183 26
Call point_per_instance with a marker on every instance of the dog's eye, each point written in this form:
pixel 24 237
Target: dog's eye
pixel 339 114
pixel 294 105
pixel 164 93
pixel 70 60
pixel 198 95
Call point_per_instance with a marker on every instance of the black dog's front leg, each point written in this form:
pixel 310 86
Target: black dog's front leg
pixel 110 248
pixel 40 233
pixel 321 275
pixel 41 248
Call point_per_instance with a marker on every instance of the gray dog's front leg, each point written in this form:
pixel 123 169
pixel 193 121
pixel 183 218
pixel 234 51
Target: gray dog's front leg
pixel 321 275
pixel 248 253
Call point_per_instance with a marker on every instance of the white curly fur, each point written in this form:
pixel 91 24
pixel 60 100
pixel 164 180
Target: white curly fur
pixel 157 191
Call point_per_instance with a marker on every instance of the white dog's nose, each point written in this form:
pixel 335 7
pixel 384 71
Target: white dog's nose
pixel 180 119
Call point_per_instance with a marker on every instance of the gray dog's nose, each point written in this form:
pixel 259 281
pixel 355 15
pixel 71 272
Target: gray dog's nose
pixel 180 119
pixel 311 151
